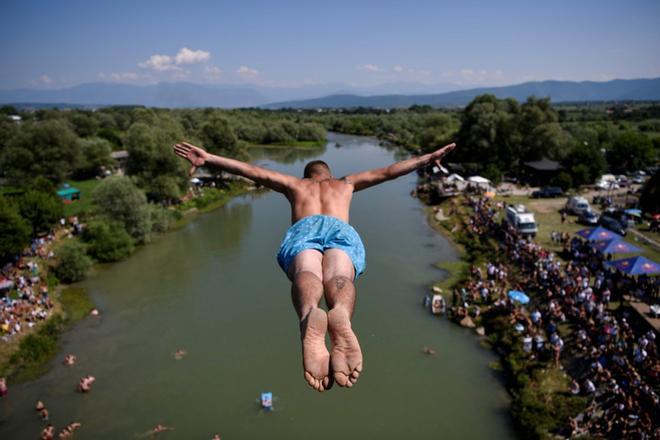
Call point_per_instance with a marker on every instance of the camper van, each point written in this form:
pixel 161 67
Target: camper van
pixel 521 219
pixel 577 205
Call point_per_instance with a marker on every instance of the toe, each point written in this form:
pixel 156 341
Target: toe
pixel 341 379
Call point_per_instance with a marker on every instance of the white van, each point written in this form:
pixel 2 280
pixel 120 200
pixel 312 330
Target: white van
pixel 522 220
pixel 577 205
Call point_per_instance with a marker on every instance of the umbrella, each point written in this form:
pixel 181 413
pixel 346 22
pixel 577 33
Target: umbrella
pixel 479 180
pixel 636 266
pixel 633 212
pixel 597 234
pixel 615 246
pixel 518 296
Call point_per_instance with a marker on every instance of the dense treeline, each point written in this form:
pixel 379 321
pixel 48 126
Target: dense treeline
pixel 47 147
pixel 497 136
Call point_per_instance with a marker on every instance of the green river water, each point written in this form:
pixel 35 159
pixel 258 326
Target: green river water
pixel 214 289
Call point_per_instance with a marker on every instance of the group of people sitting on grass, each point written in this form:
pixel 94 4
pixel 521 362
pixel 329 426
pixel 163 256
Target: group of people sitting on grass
pixel 28 304
pixel 572 322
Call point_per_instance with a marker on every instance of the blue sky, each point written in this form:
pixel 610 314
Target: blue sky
pixel 54 44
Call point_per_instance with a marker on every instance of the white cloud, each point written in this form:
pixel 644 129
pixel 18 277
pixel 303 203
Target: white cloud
pixel 398 68
pixel 369 68
pixel 43 80
pixel 247 72
pixel 212 72
pixel 189 56
pixel 467 72
pixel 160 63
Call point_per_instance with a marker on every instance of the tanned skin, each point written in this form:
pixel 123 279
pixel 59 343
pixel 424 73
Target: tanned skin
pixel 314 274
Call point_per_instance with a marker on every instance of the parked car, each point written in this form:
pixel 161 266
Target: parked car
pixel 588 218
pixel 612 224
pixel 577 205
pixel 547 192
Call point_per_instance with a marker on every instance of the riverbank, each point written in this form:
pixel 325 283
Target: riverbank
pixel 541 401
pixel 27 357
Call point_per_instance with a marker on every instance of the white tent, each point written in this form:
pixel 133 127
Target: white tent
pixel 454 178
pixel 478 180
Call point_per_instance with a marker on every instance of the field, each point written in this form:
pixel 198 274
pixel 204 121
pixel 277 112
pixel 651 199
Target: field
pixel 78 207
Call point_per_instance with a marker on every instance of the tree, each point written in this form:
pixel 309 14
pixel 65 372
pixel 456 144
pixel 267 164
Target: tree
pixel 219 137
pixel 489 133
pixel 42 210
pixel 108 241
pixel 72 262
pixel 14 231
pixel 118 199
pixel 650 198
pixel 95 154
pixel 585 163
pixel 151 161
pixel 631 151
pixel 47 148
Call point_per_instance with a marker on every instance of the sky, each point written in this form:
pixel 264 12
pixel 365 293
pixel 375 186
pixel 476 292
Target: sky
pixel 55 44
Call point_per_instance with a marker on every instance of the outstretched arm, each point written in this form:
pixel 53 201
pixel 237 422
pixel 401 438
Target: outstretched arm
pixel 268 178
pixel 370 178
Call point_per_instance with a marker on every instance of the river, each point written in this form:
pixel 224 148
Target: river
pixel 214 289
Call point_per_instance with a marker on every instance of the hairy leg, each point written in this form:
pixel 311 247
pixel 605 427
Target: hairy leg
pixel 306 275
pixel 346 356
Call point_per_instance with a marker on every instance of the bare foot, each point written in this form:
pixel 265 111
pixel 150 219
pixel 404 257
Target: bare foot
pixel 316 359
pixel 346 358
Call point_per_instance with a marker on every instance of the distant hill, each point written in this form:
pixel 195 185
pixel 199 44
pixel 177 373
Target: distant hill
pixel 158 95
pixel 334 95
pixel 558 91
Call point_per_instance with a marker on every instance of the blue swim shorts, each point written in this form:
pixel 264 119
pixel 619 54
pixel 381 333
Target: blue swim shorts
pixel 321 232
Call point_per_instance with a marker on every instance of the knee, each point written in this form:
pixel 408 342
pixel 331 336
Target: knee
pixel 338 282
pixel 305 276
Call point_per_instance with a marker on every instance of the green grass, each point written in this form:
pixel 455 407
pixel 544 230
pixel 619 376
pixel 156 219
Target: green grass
pixel 84 205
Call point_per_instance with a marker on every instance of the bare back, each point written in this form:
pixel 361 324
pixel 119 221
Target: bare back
pixel 330 197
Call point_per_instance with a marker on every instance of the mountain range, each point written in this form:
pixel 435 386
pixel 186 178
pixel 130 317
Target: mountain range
pixel 186 95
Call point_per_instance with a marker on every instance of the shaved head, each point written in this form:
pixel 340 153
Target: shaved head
pixel 316 167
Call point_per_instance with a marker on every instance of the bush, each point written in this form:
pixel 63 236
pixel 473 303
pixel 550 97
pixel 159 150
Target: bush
pixel 108 241
pixel 119 200
pixel 72 262
pixel 160 218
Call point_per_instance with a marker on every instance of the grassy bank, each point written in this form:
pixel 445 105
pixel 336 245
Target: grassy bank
pixel 211 199
pixel 29 358
pixel 541 401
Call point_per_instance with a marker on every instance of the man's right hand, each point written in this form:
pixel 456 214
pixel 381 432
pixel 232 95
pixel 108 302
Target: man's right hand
pixel 195 155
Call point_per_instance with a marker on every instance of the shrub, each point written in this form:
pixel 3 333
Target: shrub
pixel 108 241
pixel 73 262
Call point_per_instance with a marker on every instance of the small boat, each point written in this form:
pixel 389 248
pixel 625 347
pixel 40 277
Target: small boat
pixel 267 401
pixel 438 305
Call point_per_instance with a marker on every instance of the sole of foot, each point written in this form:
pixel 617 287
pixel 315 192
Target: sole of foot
pixel 316 359
pixel 346 356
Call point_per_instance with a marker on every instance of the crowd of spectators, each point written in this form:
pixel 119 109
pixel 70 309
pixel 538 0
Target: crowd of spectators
pixel 572 322
pixel 24 295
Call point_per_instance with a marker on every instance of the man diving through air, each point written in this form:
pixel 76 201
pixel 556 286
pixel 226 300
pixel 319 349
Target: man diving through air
pixel 321 253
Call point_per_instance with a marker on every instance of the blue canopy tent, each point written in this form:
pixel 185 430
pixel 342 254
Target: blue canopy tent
pixel 615 246
pixel 597 234
pixel 518 296
pixel 636 266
